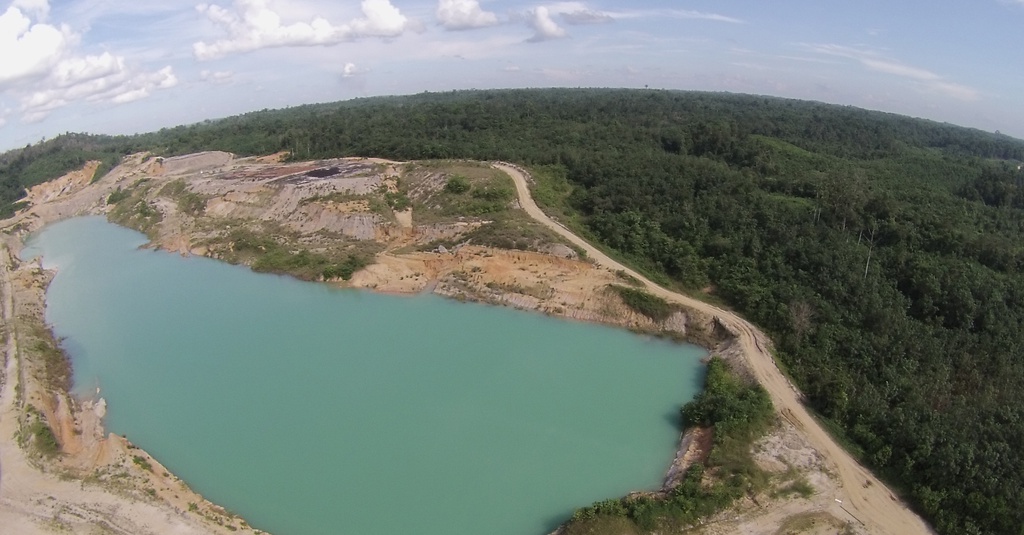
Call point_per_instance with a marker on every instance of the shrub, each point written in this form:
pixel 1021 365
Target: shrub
pixel 644 303
pixel 457 184
pixel 43 438
pixel 117 196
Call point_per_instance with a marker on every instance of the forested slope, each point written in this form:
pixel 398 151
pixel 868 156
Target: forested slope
pixel 884 254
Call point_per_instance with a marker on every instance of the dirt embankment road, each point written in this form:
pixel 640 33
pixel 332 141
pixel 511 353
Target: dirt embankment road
pixel 861 496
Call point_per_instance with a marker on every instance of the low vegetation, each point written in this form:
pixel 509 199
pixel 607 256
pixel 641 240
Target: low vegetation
pixel 188 202
pixel 56 366
pixel 266 251
pixel 644 303
pixel 36 435
pixel 465 190
pixel 133 209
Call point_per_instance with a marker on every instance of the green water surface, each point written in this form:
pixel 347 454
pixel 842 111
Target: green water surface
pixel 312 410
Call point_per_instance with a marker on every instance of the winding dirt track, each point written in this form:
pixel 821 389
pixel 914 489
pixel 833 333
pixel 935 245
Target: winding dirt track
pixel 861 496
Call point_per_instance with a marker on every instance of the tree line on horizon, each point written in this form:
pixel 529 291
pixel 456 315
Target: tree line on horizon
pixel 883 254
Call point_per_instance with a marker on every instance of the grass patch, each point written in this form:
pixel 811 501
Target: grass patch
pixel 629 279
pixel 603 525
pixel 34 432
pixel 142 463
pixel 378 204
pixel 189 202
pixel 513 231
pixel 132 210
pixel 397 200
pixel 442 191
pixel 56 364
pixel 107 164
pixel 483 198
pixel 117 196
pixel 807 522
pixel 457 185
pixel 266 254
pixel 42 438
pixel 798 487
pixel 552 190
pixel 644 303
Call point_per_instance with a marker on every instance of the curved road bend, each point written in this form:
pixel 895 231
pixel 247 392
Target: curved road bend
pixel 861 494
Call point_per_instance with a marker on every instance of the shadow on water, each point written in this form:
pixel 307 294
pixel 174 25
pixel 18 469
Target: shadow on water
pixel 551 524
pixel 674 418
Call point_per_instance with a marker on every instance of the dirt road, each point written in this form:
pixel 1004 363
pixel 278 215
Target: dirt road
pixel 862 496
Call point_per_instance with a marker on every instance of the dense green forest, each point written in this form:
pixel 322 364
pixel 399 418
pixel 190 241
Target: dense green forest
pixel 885 255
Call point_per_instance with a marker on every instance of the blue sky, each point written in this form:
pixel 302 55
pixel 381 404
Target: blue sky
pixel 125 66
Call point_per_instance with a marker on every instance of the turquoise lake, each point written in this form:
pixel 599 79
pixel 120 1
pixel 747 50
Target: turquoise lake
pixel 313 410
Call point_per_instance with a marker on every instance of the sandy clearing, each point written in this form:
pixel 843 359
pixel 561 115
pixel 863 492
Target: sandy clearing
pixel 861 495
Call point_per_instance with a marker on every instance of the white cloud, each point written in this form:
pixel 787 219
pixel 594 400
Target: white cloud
pixel 464 15
pixel 957 91
pixel 40 69
pixel 382 20
pixel 39 8
pixel 351 70
pixel 663 13
pixel 103 78
pixel 139 87
pixel 700 15
pixel 899 69
pixel 586 16
pixel 29 50
pixel 78 71
pixel 353 77
pixel 927 80
pixel 251 25
pixel 544 27
pixel 216 77
pixel 578 13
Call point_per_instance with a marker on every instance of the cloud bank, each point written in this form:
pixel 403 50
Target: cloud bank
pixel 927 81
pixel 40 68
pixel 544 27
pixel 251 25
pixel 463 15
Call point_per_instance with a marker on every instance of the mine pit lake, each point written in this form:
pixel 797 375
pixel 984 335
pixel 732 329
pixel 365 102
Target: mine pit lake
pixel 308 409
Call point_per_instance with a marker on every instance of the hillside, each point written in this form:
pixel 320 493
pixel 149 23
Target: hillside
pixel 882 254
